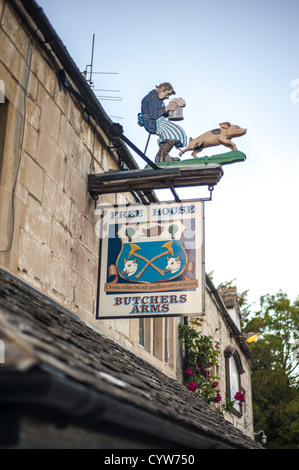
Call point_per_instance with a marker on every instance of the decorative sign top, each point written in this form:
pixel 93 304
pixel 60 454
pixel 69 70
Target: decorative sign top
pixel 222 135
pixel 157 118
pixel 154 116
pixel 151 260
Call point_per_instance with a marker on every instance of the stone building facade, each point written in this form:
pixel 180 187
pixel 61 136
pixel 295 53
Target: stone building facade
pixel 49 144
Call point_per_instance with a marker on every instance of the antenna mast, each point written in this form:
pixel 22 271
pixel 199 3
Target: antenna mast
pixel 88 74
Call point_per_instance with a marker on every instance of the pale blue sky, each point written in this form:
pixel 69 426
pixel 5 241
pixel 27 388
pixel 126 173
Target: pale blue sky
pixel 231 61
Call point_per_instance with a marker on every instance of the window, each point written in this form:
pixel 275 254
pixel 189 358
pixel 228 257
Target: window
pixel 166 340
pixel 234 378
pixel 145 333
pixel 141 332
pixel 234 369
pixel 156 337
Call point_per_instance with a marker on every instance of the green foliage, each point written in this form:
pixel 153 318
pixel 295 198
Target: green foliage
pixel 172 230
pixel 275 370
pixel 130 233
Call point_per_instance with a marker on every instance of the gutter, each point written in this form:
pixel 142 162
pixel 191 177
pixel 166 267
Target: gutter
pixel 42 392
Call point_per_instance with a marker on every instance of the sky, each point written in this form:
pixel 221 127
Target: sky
pixel 232 61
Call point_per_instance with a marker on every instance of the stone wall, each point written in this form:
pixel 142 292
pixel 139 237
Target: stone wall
pixel 47 214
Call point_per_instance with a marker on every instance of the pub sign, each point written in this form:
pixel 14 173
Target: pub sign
pixel 151 260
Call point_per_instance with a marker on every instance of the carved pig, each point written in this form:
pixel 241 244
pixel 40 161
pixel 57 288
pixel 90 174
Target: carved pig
pixel 216 137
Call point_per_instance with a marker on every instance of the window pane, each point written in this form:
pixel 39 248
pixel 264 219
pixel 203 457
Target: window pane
pixel 166 345
pixel 234 378
pixel 141 331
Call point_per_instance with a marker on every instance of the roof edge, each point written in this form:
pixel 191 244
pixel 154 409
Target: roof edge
pixel 41 389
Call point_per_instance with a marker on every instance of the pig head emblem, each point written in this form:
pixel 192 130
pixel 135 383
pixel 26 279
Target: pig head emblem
pixel 221 136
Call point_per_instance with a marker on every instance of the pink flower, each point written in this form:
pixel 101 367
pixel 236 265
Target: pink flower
pixel 189 372
pixel 192 386
pixel 218 398
pixel 239 396
pixel 204 373
pixel 215 384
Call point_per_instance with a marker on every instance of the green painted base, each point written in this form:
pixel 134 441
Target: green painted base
pixel 222 159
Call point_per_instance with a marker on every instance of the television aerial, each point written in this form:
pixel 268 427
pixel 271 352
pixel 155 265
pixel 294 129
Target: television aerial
pixel 89 76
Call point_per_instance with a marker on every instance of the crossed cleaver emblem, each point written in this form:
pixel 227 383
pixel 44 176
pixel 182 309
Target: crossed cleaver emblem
pixel 131 266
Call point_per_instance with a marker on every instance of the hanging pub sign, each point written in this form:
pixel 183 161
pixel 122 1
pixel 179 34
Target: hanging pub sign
pixel 151 260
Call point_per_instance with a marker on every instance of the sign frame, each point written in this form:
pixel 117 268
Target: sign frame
pixel 135 230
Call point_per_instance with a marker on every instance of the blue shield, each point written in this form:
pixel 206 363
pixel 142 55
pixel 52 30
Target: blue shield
pixel 151 254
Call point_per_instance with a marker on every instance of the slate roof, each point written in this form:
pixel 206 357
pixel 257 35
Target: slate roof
pixel 103 381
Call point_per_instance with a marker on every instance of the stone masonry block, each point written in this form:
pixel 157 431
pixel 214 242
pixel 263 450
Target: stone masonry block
pixel 38 222
pixel 51 158
pixel 73 114
pixel 21 193
pixel 77 153
pixel 76 222
pixel 13 29
pixel 31 137
pixel 66 135
pixel 34 258
pixel 62 242
pixel 89 238
pixel 43 72
pixel 85 263
pixel 33 113
pixel 32 176
pixel 62 278
pixel 32 87
pixel 71 144
pixel 84 293
pixel 50 113
pixel 11 57
pixel 56 201
pixel 76 186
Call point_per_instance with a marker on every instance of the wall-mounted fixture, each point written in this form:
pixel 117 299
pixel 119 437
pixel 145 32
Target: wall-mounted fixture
pixel 248 337
pixel 264 437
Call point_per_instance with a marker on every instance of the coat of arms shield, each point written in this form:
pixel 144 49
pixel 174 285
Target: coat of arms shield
pixel 151 252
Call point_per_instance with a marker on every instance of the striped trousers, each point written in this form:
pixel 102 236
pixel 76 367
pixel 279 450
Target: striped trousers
pixel 168 130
